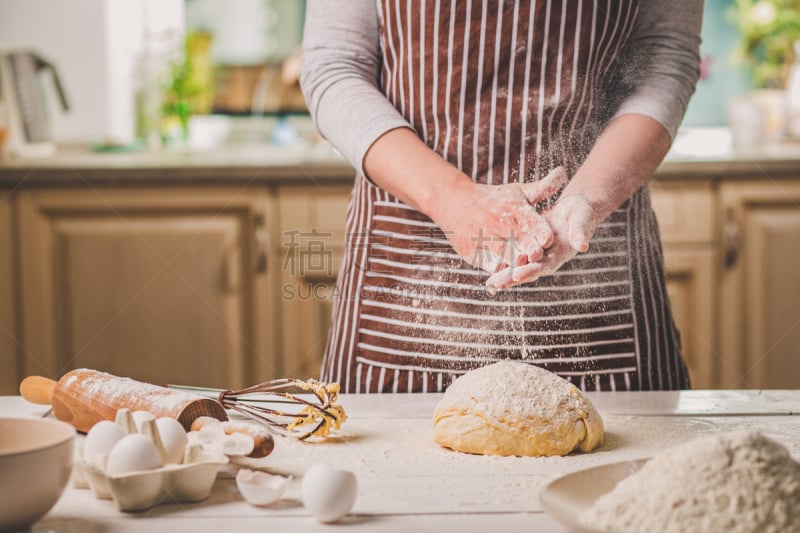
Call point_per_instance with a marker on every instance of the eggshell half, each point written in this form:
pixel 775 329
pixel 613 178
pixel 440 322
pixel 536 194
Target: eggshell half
pixel 260 488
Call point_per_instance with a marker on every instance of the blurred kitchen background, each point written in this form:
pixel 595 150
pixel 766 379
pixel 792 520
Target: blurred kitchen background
pixel 168 213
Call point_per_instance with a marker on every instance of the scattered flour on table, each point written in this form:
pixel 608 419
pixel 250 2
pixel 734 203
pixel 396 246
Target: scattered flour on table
pixel 739 482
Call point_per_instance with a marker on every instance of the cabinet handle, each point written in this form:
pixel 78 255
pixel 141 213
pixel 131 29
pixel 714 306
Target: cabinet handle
pixel 731 238
pixel 261 237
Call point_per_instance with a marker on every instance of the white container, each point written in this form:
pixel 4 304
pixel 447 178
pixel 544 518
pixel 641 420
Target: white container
pixel 793 96
pixel 97 69
pixel 35 464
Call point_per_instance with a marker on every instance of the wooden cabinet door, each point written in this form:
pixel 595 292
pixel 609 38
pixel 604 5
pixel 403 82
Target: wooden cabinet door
pixel 156 284
pixel 687 218
pixel 312 223
pixel 9 348
pixel 760 294
pixel 691 288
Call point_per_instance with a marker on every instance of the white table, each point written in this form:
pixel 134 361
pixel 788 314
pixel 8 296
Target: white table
pixel 408 483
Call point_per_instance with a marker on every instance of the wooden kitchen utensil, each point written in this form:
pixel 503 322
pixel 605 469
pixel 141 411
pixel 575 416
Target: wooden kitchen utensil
pixel 313 414
pixel 84 397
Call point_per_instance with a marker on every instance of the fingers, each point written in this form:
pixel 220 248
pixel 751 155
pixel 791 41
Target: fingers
pixel 533 223
pixel 580 224
pixel 578 238
pixel 545 188
pixel 501 279
pixel 528 245
pixel 573 221
pixel 487 260
pixel 510 276
pixel 533 230
pixel 526 273
pixel 512 242
pixel 492 252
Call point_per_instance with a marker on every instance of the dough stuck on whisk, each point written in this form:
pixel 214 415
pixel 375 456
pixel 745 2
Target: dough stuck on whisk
pixel 513 408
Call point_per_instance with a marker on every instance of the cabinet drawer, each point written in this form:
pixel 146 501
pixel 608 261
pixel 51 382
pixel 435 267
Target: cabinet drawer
pixel 685 212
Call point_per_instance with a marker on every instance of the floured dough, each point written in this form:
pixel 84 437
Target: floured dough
pixel 512 408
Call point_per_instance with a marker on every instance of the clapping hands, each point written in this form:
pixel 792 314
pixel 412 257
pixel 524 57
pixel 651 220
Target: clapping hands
pixel 573 220
pixel 497 228
pixel 493 226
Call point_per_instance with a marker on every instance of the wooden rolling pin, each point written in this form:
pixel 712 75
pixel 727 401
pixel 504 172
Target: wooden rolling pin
pixel 84 397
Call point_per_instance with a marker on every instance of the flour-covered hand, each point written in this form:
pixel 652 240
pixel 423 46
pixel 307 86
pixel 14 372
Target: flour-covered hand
pixel 573 221
pixel 491 226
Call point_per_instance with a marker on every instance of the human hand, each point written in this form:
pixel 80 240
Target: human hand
pixel 573 221
pixel 491 226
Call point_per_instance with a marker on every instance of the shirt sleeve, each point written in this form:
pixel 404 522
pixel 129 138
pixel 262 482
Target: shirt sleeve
pixel 662 65
pixel 339 76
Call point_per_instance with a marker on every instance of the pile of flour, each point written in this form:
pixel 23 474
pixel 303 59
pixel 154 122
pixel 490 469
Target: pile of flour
pixel 734 482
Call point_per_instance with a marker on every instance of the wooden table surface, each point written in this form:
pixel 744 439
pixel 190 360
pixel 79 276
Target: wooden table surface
pixel 408 483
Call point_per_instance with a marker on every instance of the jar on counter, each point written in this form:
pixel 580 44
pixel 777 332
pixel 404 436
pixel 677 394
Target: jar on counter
pixel 793 96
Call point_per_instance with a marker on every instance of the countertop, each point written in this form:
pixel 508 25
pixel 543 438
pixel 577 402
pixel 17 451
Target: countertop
pixel 408 483
pixel 699 154
pixel 237 164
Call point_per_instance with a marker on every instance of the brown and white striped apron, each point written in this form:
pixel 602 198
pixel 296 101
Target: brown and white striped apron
pixel 504 90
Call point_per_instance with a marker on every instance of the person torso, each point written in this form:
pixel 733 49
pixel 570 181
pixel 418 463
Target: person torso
pixel 504 90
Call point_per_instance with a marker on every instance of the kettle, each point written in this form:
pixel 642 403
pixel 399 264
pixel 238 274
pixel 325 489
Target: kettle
pixel 23 108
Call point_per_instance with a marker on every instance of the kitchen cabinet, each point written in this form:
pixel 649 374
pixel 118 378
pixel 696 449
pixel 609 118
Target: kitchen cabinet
pixel 312 237
pixel 219 268
pixel 686 215
pixel 759 305
pixel 159 284
pixel 9 348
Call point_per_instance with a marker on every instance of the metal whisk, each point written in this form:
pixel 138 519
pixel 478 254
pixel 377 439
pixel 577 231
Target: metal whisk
pixel 287 413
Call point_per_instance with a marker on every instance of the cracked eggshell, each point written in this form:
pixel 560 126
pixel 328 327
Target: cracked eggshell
pixel 215 439
pixel 237 444
pixel 260 488
pixel 133 453
pixel 328 494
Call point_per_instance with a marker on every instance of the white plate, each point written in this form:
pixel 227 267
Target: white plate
pixel 568 496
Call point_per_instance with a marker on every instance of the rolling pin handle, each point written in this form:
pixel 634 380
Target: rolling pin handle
pixel 38 389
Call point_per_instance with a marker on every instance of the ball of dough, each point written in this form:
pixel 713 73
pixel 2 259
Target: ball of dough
pixel 512 408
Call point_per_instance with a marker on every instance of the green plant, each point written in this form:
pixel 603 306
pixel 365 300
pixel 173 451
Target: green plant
pixel 768 31
pixel 189 85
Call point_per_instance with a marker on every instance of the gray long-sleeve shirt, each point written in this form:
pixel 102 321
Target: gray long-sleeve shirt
pixel 342 58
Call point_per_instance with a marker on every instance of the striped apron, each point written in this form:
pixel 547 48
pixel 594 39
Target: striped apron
pixel 505 91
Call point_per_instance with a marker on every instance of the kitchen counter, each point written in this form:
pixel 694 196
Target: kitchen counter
pixel 317 162
pixel 238 164
pixel 407 482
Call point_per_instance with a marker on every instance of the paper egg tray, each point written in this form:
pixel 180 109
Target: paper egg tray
pixel 138 491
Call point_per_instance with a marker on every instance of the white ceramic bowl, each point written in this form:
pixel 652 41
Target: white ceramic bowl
pixel 35 461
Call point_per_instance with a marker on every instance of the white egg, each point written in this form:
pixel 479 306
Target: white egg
pixel 328 494
pixel 173 437
pixel 140 417
pixel 133 453
pixel 100 440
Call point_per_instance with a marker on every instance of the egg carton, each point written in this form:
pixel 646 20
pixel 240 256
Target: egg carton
pixel 191 480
